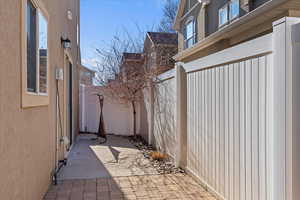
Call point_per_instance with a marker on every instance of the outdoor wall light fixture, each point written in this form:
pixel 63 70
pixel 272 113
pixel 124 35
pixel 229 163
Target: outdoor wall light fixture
pixel 66 43
pixel 70 15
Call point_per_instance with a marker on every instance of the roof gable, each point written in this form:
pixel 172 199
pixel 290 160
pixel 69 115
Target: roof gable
pixel 87 69
pixel 163 38
pixel 181 11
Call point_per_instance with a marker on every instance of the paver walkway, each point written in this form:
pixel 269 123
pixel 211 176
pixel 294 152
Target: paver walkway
pixel 117 157
pixel 156 187
pixel 118 171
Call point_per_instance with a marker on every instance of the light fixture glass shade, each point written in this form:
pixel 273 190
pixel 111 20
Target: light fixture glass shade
pixel 66 43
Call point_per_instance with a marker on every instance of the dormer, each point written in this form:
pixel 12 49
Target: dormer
pixel 190 23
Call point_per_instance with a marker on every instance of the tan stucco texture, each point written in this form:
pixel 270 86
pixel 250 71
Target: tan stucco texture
pixel 27 136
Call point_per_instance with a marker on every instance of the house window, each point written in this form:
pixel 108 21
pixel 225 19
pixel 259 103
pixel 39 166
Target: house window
pixel 31 47
pixel 37 50
pixel 35 54
pixel 229 12
pixel 190 33
pixel 43 53
pixel 223 15
pixel 234 9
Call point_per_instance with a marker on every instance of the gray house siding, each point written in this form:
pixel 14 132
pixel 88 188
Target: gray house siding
pixel 212 13
pixel 257 3
pixel 194 13
pixel 212 16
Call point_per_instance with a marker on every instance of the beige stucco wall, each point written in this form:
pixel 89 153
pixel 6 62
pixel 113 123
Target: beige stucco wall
pixel 27 136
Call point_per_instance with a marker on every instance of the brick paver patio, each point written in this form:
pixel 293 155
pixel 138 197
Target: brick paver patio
pixel 156 187
pixel 118 170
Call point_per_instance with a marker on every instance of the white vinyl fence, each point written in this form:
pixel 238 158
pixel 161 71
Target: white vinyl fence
pixel 164 114
pixel 237 117
pixel 228 132
pixel 117 117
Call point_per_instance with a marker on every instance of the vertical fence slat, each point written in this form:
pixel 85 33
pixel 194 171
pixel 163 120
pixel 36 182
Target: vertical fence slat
pixel 218 176
pixel 203 122
pixel 255 129
pixel 197 124
pixel 242 132
pixel 193 123
pixel 236 132
pixel 214 127
pixel 227 138
pixel 222 127
pixel 231 131
pixel 200 156
pixel 248 105
pixel 205 144
pixel 188 118
pixel 209 130
pixel 262 127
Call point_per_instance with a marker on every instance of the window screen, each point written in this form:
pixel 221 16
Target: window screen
pixel 223 15
pixel 234 8
pixel 43 54
pixel 190 34
pixel 31 47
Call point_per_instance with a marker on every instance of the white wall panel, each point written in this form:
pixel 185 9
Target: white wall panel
pixel 164 116
pixel 227 134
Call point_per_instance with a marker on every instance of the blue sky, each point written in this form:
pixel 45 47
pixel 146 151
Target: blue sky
pixel 101 19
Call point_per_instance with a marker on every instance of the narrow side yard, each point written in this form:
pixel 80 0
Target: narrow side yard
pixel 117 170
pixel 117 157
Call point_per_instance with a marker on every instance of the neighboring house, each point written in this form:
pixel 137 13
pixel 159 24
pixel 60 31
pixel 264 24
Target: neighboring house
pixel 208 26
pixel 86 75
pixel 38 113
pixel 159 48
pixel 132 65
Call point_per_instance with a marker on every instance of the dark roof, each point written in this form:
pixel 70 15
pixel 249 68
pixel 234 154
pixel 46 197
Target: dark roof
pixel 88 69
pixel 163 38
pixel 132 56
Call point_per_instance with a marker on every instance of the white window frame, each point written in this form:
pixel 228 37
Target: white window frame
pixel 33 99
pixel 230 11
pixel 228 8
pixel 227 17
pixel 194 35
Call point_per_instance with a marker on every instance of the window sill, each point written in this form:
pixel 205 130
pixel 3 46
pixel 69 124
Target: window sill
pixel 30 100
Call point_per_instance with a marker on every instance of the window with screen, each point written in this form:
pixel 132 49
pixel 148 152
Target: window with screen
pixel 43 54
pixel 234 9
pixel 229 12
pixel 223 15
pixel 190 33
pixel 31 27
pixel 37 49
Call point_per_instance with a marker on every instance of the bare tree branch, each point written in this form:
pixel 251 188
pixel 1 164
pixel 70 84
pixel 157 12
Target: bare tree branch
pixel 169 15
pixel 121 70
